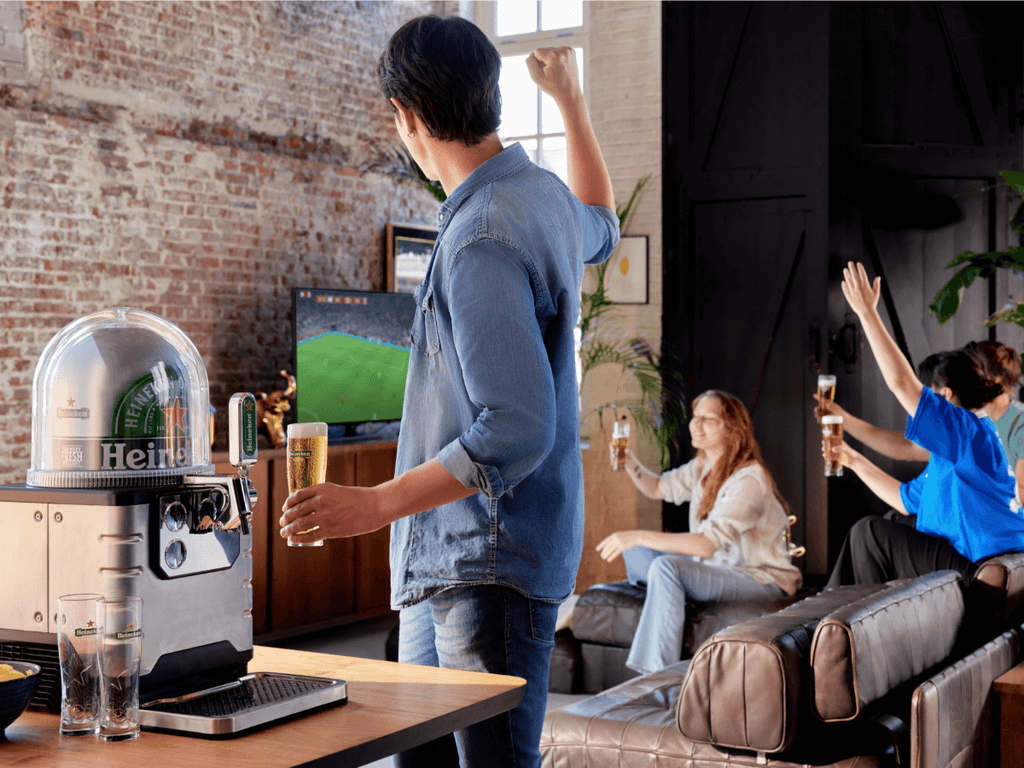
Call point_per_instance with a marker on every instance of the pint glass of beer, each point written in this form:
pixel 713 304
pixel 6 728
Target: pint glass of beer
pixel 307 462
pixel 832 441
pixel 826 388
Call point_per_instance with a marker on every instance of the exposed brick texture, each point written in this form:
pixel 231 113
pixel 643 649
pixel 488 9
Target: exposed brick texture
pixel 195 159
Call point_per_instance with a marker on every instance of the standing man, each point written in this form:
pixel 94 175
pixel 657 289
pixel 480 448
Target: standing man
pixel 487 503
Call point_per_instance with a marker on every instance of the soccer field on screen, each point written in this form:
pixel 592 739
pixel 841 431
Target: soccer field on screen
pixel 344 378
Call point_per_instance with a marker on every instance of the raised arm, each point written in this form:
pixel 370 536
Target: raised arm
pixel 862 296
pixel 883 485
pixel 644 479
pixel 554 72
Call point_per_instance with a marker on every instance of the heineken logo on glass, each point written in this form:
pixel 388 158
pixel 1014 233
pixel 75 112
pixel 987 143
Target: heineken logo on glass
pixel 127 634
pixel 85 632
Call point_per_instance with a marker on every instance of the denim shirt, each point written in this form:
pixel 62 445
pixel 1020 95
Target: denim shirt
pixel 491 389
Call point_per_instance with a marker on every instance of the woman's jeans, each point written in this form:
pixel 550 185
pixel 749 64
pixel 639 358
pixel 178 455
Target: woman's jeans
pixel 483 628
pixel 671 581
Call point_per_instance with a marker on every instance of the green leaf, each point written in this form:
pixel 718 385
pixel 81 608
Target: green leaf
pixel 1017 220
pixel 947 300
pixel 1008 315
pixel 1015 179
pixel 962 257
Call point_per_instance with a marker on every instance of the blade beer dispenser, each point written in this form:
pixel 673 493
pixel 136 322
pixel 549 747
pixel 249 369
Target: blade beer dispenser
pixel 122 499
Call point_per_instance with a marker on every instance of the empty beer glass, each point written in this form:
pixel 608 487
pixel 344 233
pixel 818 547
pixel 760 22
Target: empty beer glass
pixel 832 445
pixel 120 667
pixel 307 462
pixel 78 650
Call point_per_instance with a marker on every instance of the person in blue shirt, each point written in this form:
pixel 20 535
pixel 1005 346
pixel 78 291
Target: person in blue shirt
pixel 965 500
pixel 486 505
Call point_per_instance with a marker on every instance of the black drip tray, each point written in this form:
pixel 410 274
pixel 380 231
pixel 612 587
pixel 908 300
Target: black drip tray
pixel 251 701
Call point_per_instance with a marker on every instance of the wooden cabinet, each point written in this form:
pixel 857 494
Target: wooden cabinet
pixel 303 588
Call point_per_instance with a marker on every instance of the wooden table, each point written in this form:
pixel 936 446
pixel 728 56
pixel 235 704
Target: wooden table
pixel 1009 687
pixel 391 707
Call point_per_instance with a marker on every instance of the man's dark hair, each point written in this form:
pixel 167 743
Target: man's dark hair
pixel 446 71
pixel 965 372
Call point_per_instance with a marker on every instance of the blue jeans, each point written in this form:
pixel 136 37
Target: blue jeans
pixel 671 581
pixel 483 628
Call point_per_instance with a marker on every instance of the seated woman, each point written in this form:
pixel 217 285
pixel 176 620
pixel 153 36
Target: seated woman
pixel 736 548
pixel 965 500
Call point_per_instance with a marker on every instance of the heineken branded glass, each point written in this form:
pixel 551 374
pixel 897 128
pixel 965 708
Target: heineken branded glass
pixel 120 666
pixel 78 649
pixel 307 462
pixel 832 445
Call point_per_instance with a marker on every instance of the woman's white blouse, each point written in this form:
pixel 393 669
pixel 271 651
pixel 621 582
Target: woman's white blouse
pixel 747 524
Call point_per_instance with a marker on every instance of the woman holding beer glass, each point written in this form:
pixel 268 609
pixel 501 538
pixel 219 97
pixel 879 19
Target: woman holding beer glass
pixel 1006 411
pixel 736 548
pixel 965 499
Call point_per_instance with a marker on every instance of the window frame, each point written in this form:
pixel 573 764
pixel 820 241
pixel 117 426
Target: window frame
pixel 483 13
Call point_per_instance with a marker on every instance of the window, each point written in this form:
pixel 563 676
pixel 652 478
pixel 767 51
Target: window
pixel 517 27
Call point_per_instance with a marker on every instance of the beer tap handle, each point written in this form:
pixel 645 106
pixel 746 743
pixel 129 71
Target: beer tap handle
pixel 242 449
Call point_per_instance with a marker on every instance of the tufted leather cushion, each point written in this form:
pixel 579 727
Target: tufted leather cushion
pixel 865 649
pixel 1002 579
pixel 634 725
pixel 952 721
pixel 607 614
pixel 743 686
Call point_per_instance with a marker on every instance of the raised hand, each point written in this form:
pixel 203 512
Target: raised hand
pixel 554 72
pixel 860 292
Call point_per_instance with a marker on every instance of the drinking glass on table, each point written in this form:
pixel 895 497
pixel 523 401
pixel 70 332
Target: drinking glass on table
pixel 307 462
pixel 78 651
pixel 120 667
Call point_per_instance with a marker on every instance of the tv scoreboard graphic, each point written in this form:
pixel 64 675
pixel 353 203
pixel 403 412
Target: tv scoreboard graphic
pixel 334 299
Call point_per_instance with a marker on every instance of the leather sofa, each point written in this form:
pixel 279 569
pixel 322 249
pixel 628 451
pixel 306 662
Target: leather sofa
pixel 592 656
pixel 894 674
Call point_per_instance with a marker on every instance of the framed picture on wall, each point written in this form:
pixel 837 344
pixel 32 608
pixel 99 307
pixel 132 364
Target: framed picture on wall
pixel 625 280
pixel 408 252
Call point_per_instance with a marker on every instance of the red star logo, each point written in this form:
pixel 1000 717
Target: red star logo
pixel 71 402
pixel 174 417
pixel 89 623
pixel 131 626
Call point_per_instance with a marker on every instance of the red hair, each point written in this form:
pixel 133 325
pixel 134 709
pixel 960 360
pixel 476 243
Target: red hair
pixel 741 450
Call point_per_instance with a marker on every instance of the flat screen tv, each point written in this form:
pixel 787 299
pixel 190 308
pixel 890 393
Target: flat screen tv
pixel 351 354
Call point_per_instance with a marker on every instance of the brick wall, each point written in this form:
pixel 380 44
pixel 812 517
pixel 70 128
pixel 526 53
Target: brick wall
pixel 194 159
pixel 625 106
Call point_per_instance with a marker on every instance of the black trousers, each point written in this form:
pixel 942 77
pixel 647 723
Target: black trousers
pixel 878 550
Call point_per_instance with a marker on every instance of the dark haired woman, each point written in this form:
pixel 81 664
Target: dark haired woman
pixel 965 500
pixel 1006 412
pixel 736 548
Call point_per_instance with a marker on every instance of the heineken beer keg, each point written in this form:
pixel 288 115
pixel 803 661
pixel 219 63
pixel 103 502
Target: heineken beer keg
pixel 120 398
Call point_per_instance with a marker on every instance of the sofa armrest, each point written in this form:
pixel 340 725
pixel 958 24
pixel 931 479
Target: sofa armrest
pixel 951 719
pixel 1001 580
pixel 743 686
pixel 865 649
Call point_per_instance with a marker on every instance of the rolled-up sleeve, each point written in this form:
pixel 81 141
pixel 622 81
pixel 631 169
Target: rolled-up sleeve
pixel 676 485
pixel 505 367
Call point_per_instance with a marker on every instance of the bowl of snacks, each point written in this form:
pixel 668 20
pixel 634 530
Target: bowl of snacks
pixel 18 683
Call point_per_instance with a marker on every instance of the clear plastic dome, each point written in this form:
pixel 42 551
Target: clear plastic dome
pixel 120 398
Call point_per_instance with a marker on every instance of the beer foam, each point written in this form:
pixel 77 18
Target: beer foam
pixel 308 429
